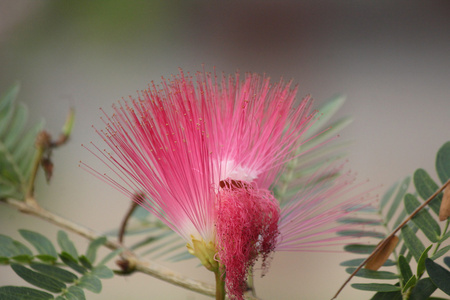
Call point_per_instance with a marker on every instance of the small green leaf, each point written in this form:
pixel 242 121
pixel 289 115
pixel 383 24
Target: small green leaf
pixel 54 272
pixel 443 162
pixel 85 262
pixel 361 233
pixel 326 111
pixel 376 287
pixel 102 272
pixel 24 259
pixel 447 261
pixel 398 198
pixel 40 242
pixel 91 251
pixel 141 214
pixel 4 260
pixel 10 247
pixel 66 244
pixel 410 283
pixel 426 187
pixel 72 262
pixel 423 219
pixel 357 261
pixel 359 248
pixel 91 283
pixel 38 279
pixel 440 252
pixel 60 298
pixel 365 273
pixel 439 275
pixel 110 256
pixel 388 296
pixel 22 293
pixel 412 242
pixel 423 289
pixel 46 258
pixel 421 262
pixel 360 221
pixel 405 269
pixel 75 293
pixel 388 195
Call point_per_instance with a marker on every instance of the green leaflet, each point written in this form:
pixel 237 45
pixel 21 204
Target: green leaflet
pixel 398 198
pixel 376 287
pixel 365 273
pixel 52 276
pixel 425 187
pixel 91 252
pixel 23 293
pixel 54 272
pixel 38 279
pixel 17 148
pixel 91 283
pixel 438 275
pixel 357 261
pixel 40 242
pixel 443 162
pixel 412 242
pixel 11 248
pixel 423 289
pixel 66 244
pixel 359 248
pixel 423 219
pixel 75 293
pixel 405 269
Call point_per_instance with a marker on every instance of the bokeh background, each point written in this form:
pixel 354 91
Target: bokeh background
pixel 391 59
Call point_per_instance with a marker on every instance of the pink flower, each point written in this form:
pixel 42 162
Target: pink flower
pixel 205 151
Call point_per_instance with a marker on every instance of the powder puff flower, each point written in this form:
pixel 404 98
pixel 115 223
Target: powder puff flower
pixel 205 150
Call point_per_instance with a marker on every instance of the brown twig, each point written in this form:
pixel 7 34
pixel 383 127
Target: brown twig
pixel 386 240
pixel 124 223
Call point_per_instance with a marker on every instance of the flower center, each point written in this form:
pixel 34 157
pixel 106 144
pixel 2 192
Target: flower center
pixel 246 229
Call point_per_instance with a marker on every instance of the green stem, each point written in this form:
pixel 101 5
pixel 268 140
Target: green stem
pixel 36 163
pixel 438 244
pixel 220 285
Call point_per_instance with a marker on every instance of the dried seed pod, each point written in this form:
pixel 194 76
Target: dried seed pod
pixel 379 258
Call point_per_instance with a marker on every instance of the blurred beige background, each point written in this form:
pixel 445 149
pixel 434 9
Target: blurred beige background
pixel 391 59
